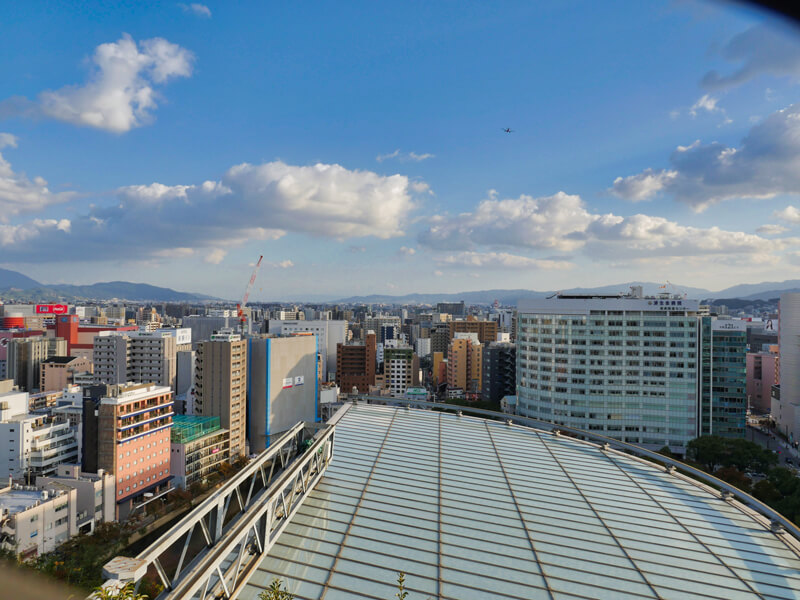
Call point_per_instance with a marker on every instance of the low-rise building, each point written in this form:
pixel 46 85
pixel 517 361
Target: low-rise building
pixel 95 494
pixel 198 447
pixel 35 521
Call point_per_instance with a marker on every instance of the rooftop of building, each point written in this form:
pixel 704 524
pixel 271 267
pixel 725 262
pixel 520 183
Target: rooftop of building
pixel 187 428
pixel 61 360
pixel 474 508
pixel 18 500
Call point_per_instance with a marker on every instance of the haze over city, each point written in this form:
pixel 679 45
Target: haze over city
pixel 173 146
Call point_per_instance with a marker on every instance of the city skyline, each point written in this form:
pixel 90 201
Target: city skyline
pixel 174 144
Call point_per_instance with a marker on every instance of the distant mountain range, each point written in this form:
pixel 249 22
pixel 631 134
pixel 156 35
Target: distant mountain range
pixel 15 286
pixel 747 291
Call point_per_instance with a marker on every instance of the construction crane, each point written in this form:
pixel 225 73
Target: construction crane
pixel 240 307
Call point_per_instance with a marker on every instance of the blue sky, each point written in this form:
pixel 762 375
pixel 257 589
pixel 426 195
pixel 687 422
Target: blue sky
pixel 359 146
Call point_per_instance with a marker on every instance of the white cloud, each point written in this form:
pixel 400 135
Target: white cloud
pixel 198 10
pixel 8 140
pixel 17 234
pixel 284 264
pixel 174 253
pixel 772 229
pixel 499 260
pixel 18 194
pixel 766 163
pixel 215 256
pixel 643 186
pixel 707 103
pixel 405 251
pixel 261 202
pixel 404 156
pixel 790 214
pixel 764 48
pixel 562 222
pixel 545 222
pixel 120 93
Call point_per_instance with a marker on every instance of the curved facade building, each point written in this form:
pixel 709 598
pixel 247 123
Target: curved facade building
pixel 470 508
pixel 625 367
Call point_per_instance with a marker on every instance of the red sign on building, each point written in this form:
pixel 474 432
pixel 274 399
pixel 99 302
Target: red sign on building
pixel 51 309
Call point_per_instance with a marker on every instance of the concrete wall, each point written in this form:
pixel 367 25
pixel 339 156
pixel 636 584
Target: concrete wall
pixel 282 386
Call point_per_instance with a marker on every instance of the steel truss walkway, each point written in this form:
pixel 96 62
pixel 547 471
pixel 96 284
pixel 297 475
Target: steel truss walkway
pixel 211 552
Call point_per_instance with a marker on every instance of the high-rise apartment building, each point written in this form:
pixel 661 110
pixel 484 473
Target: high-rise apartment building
pixel 355 365
pixel 486 330
pixel 464 363
pixel 281 386
pixel 152 358
pixel 110 356
pixel 499 375
pixel 401 370
pixel 139 356
pixel 221 385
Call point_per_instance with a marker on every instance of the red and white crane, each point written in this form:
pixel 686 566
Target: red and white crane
pixel 240 307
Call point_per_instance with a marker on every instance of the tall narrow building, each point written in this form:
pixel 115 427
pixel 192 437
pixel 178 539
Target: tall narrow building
pixel 220 387
pixel 355 365
pixel 723 398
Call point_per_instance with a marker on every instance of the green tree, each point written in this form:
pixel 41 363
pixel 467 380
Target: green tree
pixel 735 477
pixel 276 591
pixel 708 450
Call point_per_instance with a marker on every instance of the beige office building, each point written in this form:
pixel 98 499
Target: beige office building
pixel 220 386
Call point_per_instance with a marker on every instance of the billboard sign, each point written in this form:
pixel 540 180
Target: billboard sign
pixel 51 309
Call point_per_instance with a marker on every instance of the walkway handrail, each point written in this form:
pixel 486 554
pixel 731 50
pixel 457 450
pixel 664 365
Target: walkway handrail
pixel 267 493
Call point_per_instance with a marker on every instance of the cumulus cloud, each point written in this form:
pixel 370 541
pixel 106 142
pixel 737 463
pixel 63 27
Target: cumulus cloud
pixel 643 186
pixel 198 10
pixel 406 251
pixel 562 222
pixel 120 93
pixel 17 234
pixel 767 163
pixel 526 221
pixel 284 264
pixel 249 202
pixel 499 260
pixel 215 256
pixel 18 194
pixel 764 48
pixel 772 229
pixel 404 156
pixel 790 214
